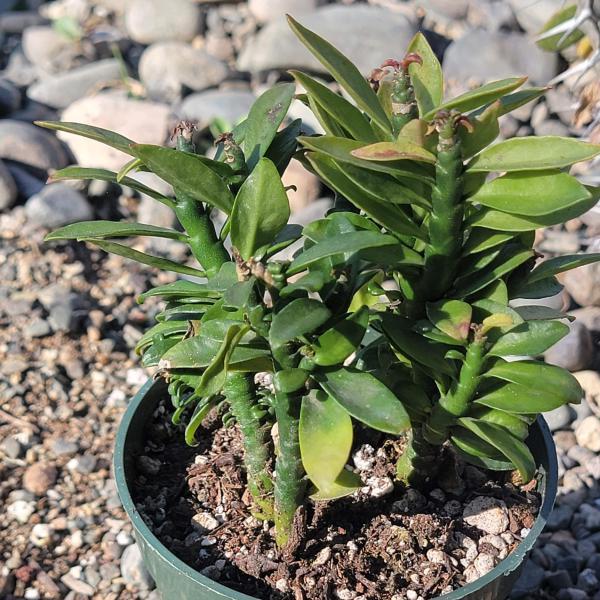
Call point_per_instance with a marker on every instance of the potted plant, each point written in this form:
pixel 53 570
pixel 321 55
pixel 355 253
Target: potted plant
pixel 389 329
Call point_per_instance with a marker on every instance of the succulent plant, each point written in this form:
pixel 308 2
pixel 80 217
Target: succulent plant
pixel 394 314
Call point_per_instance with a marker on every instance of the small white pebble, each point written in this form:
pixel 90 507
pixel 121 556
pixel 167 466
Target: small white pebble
pixel 282 585
pixel 204 521
pixel 322 557
pixel 31 594
pixel 436 557
pixel 380 486
pixel 525 532
pixel 484 563
pixel 345 594
pixel 209 540
pixel 200 459
pixel 411 595
pixel 41 535
pixel 471 574
pixel 352 546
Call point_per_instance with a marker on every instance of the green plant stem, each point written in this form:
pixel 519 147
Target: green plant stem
pixel 445 223
pixel 239 393
pixel 290 483
pixel 456 402
pixel 204 243
pixel 404 105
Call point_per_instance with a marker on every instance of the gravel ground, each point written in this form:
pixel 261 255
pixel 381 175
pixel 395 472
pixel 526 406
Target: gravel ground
pixel 68 318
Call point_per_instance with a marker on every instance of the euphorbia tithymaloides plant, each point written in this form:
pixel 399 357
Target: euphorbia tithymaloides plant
pixel 422 361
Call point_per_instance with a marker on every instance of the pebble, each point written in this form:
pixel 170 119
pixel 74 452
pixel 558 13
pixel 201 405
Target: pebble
pixel 8 188
pixel 203 107
pixel 133 570
pixel 20 510
pixel 149 21
pixel 271 10
pixel 38 328
pixel 588 433
pixel 31 145
pixel 559 418
pixel 366 37
pixel 44 47
pixel 380 486
pixel 82 464
pixel 167 68
pixel 39 478
pixel 364 457
pixel 62 446
pixel 56 205
pixel 204 521
pixel 142 121
pixel 583 284
pixel 488 514
pixel 77 585
pixel 41 535
pixel 575 351
pixel 61 90
pixel 11 447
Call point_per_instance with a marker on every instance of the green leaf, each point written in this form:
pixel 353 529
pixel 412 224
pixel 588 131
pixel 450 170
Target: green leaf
pixel 346 483
pixel 533 154
pixel 519 399
pixel 482 239
pixel 541 313
pixel 530 338
pixel 87 230
pixel 452 317
pixel 534 193
pixel 132 165
pixel 510 446
pixel 517 99
pixel 345 113
pixel 401 149
pixel 386 214
pixel 187 173
pixel 560 264
pixel 427 79
pixel 546 379
pixel 341 149
pixel 495 219
pixel 365 398
pixel 516 425
pixel 542 288
pixel 477 452
pixel 284 144
pixel 106 175
pixel 200 413
pixel 478 97
pixel 344 72
pixel 264 119
pixel 335 345
pixel 325 435
pixel 146 259
pixel 260 211
pixel 180 289
pixel 425 351
pixel 347 243
pixel 166 329
pixel 485 129
pixel 239 294
pixel 300 317
pixel 311 282
pixel 558 42
pixel 110 138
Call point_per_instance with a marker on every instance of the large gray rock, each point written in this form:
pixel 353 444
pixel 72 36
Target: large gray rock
pixel 583 284
pixel 532 16
pixel 167 67
pixel 149 21
pixel 58 91
pixel 56 205
pixel 31 145
pixel 269 10
pixel 140 120
pixel 203 107
pixel 8 188
pixel 481 56
pixel 589 316
pixel 133 570
pixel 367 35
pixel 575 351
pixel 47 49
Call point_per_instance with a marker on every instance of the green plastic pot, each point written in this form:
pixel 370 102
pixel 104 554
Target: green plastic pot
pixel 177 581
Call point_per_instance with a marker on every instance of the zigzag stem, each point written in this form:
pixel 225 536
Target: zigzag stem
pixel 239 393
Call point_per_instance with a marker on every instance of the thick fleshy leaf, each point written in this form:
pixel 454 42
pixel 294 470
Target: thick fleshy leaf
pixel 542 288
pixel 188 174
pixel 146 259
pixel 264 118
pixel 548 379
pixel 346 483
pixel 541 313
pixel 519 98
pixel 485 129
pixel 453 317
pixel 426 78
pixel 325 434
pixel 110 138
pixel 311 282
pixel 335 345
pixel 385 213
pixel 501 221
pixel 154 352
pixel 365 398
pixel 260 211
pixel 477 452
pixel 560 264
pixel 510 446
pixel 88 230
pixel 344 112
pixel 496 291
pixel 558 41
pixel 106 175
pixel 520 399
pixel 534 193
pixel 180 289
pixel 239 294
pixel 200 413
pixel 299 318
pixel 518 426
pixel 192 311
pixel 418 348
pixel 530 338
pixel 401 149
pixel 482 239
pixel 479 96
pixel 348 243
pixel 533 154
pixel 341 149
pixel 166 329
pixel 344 72
pixel 284 144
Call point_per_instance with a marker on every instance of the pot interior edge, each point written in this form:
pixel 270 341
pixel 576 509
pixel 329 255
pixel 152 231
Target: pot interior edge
pixel 129 444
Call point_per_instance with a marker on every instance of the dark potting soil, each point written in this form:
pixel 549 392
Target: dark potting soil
pixel 383 543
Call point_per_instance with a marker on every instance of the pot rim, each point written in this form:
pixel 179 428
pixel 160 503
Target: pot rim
pixel 504 567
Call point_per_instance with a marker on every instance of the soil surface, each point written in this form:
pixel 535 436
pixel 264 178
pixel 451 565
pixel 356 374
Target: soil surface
pixel 386 542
